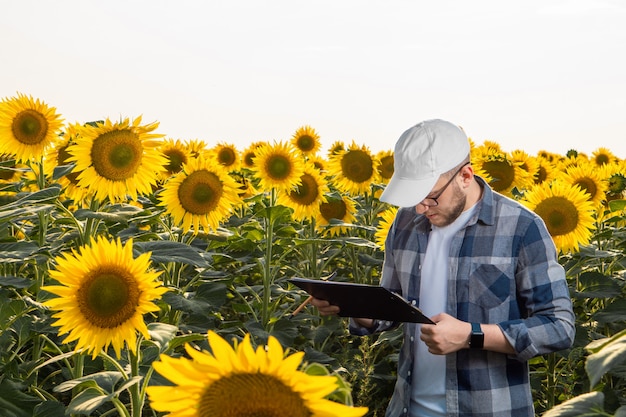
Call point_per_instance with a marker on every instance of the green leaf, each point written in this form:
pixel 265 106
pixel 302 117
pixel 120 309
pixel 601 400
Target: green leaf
pixel 166 252
pixel 120 213
pixel 606 358
pixel 215 293
pixel 161 334
pixel 188 305
pixel 101 381
pixel 49 409
pixel 620 412
pixel 582 406
pixel 617 205
pixel 17 251
pixel 87 402
pixel 132 381
pixel 597 285
pixel 15 282
pixel 14 402
pixel 615 312
pixel 62 170
pixel 184 339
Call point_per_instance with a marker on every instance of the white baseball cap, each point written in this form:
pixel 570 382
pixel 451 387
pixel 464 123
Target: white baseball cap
pixel 421 155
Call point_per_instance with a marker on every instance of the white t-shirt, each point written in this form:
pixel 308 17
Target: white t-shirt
pixel 428 386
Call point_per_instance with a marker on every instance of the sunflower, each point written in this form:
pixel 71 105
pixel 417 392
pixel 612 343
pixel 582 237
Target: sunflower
pixel 177 153
pixel 27 127
pixel 336 208
pixel 117 160
pixel 353 170
pixel 242 381
pixel 305 199
pixel 589 178
pixel 9 170
pixel 319 163
pixel 56 157
pixel 546 171
pixel 550 156
pixel 384 224
pixel 603 156
pixel 201 195
pixel 306 140
pixel 248 154
pixel 226 155
pixel 103 294
pixel 566 211
pixel 502 174
pixel 385 165
pixel 277 166
pixel 527 163
pixel 195 147
pixel 615 174
pixel 337 147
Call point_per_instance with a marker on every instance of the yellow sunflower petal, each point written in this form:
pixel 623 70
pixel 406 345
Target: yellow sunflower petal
pixel 102 296
pixel 27 127
pixel 275 387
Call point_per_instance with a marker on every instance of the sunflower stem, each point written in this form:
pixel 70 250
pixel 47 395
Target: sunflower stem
pixel 135 392
pixel 267 270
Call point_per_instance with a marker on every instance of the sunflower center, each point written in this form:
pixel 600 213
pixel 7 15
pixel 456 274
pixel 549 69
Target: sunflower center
pixel 357 166
pixel 251 395
pixel 200 192
pixel 248 159
pixel 116 155
pixel 176 160
pixel 602 159
pixel 62 157
pixel 307 192
pixel 306 143
pixel 386 167
pixel 502 172
pixel 542 175
pixel 588 185
pixel 278 167
pixel 559 214
pixel 226 157
pixel 335 209
pixel 108 297
pixel 30 127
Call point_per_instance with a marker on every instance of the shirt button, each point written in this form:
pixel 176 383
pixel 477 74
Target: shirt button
pixel 412 339
pixel 408 373
pixel 413 302
pixel 404 410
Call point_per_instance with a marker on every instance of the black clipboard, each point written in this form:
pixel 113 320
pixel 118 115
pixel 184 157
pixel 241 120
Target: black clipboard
pixel 361 300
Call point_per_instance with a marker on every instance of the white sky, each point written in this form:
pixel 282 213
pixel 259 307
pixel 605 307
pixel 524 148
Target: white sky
pixel 532 75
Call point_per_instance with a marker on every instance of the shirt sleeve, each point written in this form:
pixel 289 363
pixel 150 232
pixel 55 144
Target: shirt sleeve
pixel 548 318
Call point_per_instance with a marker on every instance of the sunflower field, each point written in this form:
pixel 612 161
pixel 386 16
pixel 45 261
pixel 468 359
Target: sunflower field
pixel 143 275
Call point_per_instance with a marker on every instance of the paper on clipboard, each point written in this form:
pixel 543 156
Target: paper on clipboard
pixel 361 300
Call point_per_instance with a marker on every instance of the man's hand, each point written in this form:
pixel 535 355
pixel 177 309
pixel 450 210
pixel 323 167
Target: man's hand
pixel 325 308
pixel 447 336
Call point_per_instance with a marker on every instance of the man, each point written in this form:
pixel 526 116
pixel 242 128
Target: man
pixel 482 267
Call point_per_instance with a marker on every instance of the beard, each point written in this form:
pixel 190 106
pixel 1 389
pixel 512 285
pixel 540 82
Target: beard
pixel 449 215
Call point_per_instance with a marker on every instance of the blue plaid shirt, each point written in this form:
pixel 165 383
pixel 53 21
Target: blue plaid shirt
pixel 503 270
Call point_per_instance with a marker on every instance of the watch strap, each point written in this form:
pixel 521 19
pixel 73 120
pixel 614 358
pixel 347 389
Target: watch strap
pixel 477 337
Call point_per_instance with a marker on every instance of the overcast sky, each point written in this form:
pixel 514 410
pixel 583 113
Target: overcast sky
pixel 532 75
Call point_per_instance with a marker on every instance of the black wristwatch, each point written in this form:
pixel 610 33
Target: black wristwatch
pixel 477 337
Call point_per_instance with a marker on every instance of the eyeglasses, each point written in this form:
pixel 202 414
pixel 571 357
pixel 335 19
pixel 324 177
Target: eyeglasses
pixel 432 201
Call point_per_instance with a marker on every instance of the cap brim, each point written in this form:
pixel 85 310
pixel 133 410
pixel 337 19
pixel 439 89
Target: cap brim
pixel 407 193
